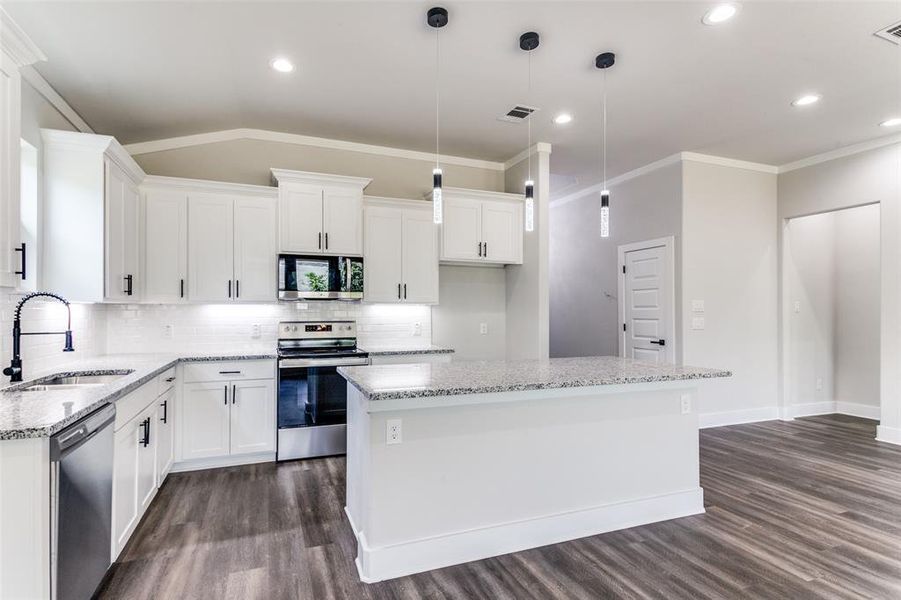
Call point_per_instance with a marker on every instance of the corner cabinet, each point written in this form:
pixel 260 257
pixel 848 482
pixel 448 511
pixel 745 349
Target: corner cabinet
pixel 481 228
pixel 320 213
pixel 91 226
pixel 400 251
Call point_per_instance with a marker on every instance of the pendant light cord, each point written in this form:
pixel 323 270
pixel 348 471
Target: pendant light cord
pixel 529 99
pixel 605 129
pixel 437 101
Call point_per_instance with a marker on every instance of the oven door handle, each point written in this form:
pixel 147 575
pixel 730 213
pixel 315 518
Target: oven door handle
pixel 294 363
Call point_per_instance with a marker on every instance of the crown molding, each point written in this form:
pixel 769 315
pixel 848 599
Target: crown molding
pixel 728 162
pixel 597 187
pixel 92 142
pixel 302 140
pixel 476 194
pixel 281 176
pixel 405 203
pixel 841 153
pixel 536 148
pixel 16 43
pixel 205 185
pixel 43 87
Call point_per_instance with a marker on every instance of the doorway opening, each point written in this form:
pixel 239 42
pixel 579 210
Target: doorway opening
pixel 831 313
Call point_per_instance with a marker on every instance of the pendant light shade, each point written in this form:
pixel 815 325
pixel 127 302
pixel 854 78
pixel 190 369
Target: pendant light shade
pixel 605 61
pixel 437 18
pixel 528 42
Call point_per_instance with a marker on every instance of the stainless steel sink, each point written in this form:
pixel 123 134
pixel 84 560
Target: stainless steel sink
pixel 67 381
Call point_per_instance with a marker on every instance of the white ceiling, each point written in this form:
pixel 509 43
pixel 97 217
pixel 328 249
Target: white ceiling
pixel 150 70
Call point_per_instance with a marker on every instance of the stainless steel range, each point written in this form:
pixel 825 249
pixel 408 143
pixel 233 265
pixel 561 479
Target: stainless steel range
pixel 312 397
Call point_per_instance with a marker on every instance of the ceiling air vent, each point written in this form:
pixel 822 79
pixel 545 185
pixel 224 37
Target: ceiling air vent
pixel 891 33
pixel 517 114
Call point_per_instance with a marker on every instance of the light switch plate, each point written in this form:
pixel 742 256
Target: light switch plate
pixel 797 306
pixel 697 306
pixel 698 323
pixel 256 330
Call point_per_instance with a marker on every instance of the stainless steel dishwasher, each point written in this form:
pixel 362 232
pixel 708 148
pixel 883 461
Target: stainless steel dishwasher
pixel 81 505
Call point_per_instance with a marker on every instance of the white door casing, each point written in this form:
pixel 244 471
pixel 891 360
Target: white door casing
pixel 647 301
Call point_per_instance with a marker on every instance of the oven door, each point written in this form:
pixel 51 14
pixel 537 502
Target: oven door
pixel 319 277
pixel 312 406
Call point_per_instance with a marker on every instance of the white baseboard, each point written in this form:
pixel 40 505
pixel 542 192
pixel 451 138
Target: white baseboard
pixel 889 435
pixel 222 461
pixel 828 407
pixel 865 411
pixel 737 417
pixel 416 556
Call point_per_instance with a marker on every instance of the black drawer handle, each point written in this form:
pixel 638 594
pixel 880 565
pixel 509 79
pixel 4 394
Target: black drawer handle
pixel 21 249
pixel 165 406
pixel 182 287
pixel 170 379
pixel 146 425
pixel 129 279
pixel 229 372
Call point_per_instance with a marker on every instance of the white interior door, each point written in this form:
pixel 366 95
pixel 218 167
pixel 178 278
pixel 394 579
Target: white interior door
pixel 383 254
pixel 210 248
pixel 420 257
pixel 255 250
pixel 648 305
pixel 342 221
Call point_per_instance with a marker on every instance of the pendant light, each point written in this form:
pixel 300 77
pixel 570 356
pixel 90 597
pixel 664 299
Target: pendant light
pixel 437 18
pixel 605 61
pixel 528 42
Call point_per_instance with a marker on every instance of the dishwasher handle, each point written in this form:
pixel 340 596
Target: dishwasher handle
pixel 75 435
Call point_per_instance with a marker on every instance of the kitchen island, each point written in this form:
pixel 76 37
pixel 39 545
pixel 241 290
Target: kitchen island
pixel 454 462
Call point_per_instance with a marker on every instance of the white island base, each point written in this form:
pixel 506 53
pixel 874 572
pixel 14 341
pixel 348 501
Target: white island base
pixel 480 475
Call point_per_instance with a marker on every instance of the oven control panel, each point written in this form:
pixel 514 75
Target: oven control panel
pixel 302 330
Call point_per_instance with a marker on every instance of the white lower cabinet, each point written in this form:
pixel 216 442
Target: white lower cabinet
pixel 143 455
pixel 205 420
pixel 252 417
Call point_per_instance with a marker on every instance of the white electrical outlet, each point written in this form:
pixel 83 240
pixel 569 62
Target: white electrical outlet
pixel 417 328
pixel 698 323
pixel 797 306
pixel 686 404
pixel 256 330
pixel 819 383
pixel 483 328
pixel 168 332
pixel 394 433
pixel 697 306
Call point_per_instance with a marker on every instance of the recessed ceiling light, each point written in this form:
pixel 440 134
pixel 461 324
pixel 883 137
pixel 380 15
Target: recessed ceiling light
pixel 719 13
pixel 893 122
pixel 563 118
pixel 807 100
pixel 282 65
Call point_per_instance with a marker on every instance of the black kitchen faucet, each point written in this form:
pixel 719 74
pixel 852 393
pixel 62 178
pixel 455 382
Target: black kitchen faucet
pixel 14 370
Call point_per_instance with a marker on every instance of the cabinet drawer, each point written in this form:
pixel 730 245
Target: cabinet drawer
pixel 165 381
pixel 218 371
pixel 131 405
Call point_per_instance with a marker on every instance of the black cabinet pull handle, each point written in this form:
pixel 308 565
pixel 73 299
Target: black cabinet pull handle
pixel 326 240
pixel 320 240
pixel 229 288
pixel 170 379
pixel 165 406
pixel 398 291
pixel 21 249
pixel 485 252
pixel 480 249
pixel 229 372
pixel 182 287
pixel 237 288
pixel 405 291
pixel 225 390
pixel 233 394
pixel 146 425
pixel 128 280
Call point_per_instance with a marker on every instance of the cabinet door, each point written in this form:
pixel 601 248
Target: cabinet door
pixel 501 232
pixel 461 230
pixel 255 249
pixel 131 240
pixel 204 420
pixel 10 82
pixel 125 483
pixel 342 221
pixel 115 191
pixel 165 246
pixel 210 248
pixel 383 254
pixel 165 438
pixel 147 446
pixel 420 257
pixel 253 416
pixel 300 217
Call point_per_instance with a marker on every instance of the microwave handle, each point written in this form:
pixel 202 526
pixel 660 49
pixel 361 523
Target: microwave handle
pixel 347 269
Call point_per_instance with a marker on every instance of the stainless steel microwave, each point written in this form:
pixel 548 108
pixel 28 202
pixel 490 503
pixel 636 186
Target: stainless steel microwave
pixel 315 277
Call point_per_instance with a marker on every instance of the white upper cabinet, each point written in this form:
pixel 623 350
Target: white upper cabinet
pixel 255 249
pixel 91 227
pixel 16 51
pixel 211 248
pixel 165 245
pixel 481 227
pixel 401 252
pixel 320 213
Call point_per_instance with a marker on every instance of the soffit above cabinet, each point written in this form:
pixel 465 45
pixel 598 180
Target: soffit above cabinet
pixel 281 176
pixel 476 194
pixel 91 142
pixel 208 186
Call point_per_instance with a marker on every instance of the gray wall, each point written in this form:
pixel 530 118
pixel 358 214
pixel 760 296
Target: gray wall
pixel 583 320
pixel 249 161
pixel 468 297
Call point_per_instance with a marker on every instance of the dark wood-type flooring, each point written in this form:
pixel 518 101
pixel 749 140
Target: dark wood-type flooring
pixel 806 509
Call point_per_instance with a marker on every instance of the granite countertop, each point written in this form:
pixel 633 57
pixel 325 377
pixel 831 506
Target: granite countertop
pixel 401 349
pixel 392 382
pixel 43 413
